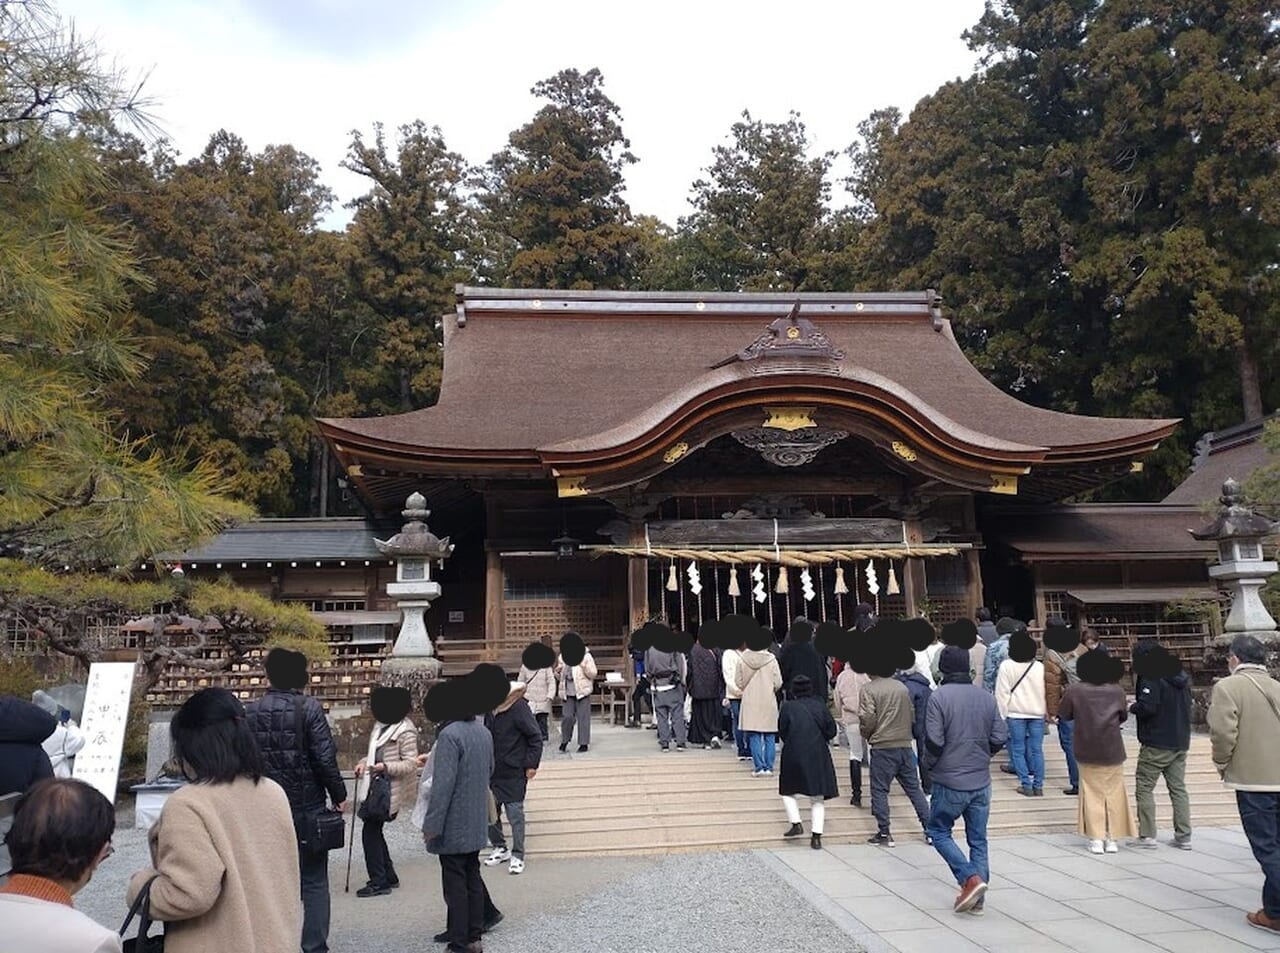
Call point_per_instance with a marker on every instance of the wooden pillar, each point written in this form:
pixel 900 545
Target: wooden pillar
pixel 637 583
pixel 973 580
pixel 493 586
pixel 914 587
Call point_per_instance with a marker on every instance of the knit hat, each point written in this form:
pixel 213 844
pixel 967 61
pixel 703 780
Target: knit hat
pixel 1007 625
pixel 953 661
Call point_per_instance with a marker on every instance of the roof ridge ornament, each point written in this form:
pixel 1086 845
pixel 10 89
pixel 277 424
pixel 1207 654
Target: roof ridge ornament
pixel 789 336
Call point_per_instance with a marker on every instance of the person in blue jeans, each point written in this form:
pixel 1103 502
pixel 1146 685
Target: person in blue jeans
pixel 733 695
pixel 1062 649
pixel 963 729
pixel 1020 698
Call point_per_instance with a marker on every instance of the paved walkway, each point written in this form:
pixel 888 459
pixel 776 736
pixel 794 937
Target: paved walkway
pixel 1048 894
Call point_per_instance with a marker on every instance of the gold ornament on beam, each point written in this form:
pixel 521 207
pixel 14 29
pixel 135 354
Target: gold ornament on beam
pixel 675 453
pixel 1004 483
pixel 570 487
pixel 789 418
pixel 905 452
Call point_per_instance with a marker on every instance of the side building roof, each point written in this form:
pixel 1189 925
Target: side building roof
pixel 1233 453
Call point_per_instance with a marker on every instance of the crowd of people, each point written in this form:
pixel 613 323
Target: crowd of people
pixel 239 855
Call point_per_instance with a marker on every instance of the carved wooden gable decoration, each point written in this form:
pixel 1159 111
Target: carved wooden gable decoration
pixel 788 337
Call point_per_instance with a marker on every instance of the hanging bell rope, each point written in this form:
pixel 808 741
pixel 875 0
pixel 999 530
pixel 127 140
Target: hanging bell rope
pixel 734 590
pixel 822 596
pixel 716 579
pixel 680 592
pixel 672 582
pixel 783 582
pixel 892 589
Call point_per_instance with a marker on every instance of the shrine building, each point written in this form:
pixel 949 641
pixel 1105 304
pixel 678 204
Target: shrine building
pixel 601 458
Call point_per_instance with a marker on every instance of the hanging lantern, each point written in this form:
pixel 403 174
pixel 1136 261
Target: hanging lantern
pixel 781 587
pixel 873 585
pixel 695 580
pixel 841 588
pixel 734 589
pixel 892 588
pixel 806 585
pixel 672 584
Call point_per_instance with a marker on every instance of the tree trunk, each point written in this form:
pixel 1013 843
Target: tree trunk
pixel 1250 388
pixel 324 478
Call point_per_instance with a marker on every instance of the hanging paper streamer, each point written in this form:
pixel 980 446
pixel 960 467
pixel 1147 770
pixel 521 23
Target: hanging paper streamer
pixel 806 585
pixel 759 592
pixel 672 583
pixel 695 580
pixel 734 589
pixel 873 586
pixel 892 589
pixel 781 588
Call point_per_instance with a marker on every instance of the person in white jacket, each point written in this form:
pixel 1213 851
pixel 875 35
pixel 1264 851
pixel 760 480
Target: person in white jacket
pixel 63 745
pixel 1020 696
pixel 733 695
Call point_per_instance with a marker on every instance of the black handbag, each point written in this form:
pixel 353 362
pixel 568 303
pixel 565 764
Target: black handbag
pixel 326 829
pixel 377 803
pixel 141 908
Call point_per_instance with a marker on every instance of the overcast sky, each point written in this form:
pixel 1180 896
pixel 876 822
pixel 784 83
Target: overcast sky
pixel 307 72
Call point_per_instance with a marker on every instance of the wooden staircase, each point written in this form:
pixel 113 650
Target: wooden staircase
pixel 704 800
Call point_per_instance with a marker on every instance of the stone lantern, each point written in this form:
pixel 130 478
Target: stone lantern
pixel 1242 567
pixel 413 663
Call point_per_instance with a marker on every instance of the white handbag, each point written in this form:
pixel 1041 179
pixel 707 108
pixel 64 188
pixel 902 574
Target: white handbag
pixel 424 791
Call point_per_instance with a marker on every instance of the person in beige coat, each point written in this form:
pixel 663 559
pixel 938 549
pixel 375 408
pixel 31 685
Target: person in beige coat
pixel 576 675
pixel 758 678
pixel 539 683
pixel 224 851
pixel 847 695
pixel 393 751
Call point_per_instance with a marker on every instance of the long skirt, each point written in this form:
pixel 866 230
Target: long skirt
pixel 705 724
pixel 1104 812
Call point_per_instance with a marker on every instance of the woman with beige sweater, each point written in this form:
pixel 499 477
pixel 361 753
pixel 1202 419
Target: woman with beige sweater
pixel 847 696
pixel 393 751
pixel 224 851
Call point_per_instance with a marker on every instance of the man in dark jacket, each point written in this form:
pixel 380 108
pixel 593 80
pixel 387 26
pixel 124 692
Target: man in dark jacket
pixel 706 688
pixel 668 676
pixel 517 752
pixel 298 749
pixel 918 688
pixel 884 718
pixel 23 728
pixel 963 730
pixel 1162 704
pixel 799 657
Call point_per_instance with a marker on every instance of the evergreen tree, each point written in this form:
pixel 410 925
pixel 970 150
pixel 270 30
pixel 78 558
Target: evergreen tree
pixel 74 486
pixel 553 211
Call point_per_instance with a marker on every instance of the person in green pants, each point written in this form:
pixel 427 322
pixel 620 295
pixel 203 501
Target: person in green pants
pixel 1162 706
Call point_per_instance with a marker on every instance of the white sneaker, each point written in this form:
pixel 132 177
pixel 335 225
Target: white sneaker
pixel 500 855
pixel 1095 847
pixel 517 865
pixel 757 774
pixel 1112 847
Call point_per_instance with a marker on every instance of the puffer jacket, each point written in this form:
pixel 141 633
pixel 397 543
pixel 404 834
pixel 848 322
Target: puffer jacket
pixel 23 728
pixel 517 748
pixel 306 768
pixel 584 677
pixel 849 687
pixel 539 689
pixel 919 690
pixel 400 754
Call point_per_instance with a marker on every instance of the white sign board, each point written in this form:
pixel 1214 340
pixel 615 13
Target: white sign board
pixel 106 711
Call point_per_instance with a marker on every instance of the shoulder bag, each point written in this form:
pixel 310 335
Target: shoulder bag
pixel 326 829
pixel 141 908
pixel 376 807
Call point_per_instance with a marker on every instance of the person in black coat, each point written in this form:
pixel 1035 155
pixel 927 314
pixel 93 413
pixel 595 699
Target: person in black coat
pixel 918 687
pixel 706 688
pixel 297 747
pixel 517 752
pixel 806 728
pixel 799 657
pixel 23 728
pixel 1162 704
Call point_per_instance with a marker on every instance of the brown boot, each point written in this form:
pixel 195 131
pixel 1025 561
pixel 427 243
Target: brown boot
pixel 1263 922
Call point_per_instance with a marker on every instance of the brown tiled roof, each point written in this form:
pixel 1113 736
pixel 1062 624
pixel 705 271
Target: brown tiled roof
pixel 1227 454
pixel 590 370
pixel 1122 530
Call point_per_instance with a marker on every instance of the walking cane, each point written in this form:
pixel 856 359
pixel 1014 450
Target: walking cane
pixel 351 843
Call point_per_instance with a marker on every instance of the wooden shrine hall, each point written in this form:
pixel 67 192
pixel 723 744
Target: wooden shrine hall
pixel 602 458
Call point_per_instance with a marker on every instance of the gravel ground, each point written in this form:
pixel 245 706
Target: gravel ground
pixel 727 901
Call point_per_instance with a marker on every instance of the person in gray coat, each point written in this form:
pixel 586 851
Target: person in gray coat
pixel 963 729
pixel 456 825
pixel 668 676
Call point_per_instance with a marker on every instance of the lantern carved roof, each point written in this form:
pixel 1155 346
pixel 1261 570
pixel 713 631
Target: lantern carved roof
pixel 1236 520
pixel 414 539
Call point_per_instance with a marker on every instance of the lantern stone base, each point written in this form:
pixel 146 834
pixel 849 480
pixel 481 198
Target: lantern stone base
pixel 415 674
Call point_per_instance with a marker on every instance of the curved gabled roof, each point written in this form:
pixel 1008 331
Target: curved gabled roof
pixel 531 376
